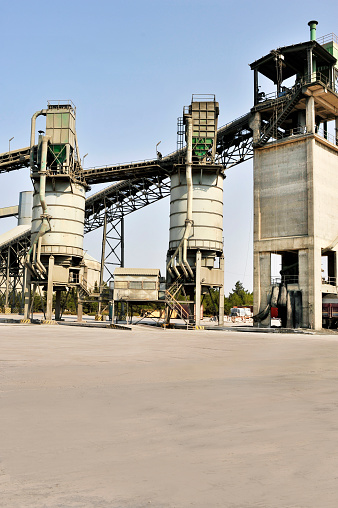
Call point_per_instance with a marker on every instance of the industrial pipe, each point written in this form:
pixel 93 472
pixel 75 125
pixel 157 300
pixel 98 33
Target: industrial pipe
pixel 38 254
pixel 173 265
pixel 33 123
pixel 183 245
pixel 180 262
pixel 44 224
pixel 313 25
pixel 42 193
pixel 171 260
pixel 77 150
pixel 188 174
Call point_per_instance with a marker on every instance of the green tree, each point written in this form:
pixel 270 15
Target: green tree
pixel 208 305
pixel 238 297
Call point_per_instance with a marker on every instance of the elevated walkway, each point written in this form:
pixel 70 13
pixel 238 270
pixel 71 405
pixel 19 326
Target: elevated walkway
pixel 14 235
pixel 15 159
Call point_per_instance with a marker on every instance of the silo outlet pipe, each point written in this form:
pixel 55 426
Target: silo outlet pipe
pixel 43 169
pixel 188 175
pixel 182 249
pixel 171 262
pixel 44 224
pixel 180 262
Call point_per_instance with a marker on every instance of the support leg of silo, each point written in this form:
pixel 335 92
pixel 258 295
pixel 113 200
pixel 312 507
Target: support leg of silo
pixel 27 294
pixel 113 312
pixel 198 288
pixel 79 310
pixel 221 294
pixel 7 276
pixel 49 306
pixel 58 306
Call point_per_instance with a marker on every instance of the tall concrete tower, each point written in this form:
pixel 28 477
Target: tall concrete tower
pixel 296 180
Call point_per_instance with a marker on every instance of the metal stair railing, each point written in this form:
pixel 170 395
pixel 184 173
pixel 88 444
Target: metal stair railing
pixel 176 286
pixel 281 116
pixel 82 288
pixel 177 307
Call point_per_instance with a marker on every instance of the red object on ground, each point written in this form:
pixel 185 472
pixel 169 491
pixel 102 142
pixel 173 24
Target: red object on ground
pixel 274 312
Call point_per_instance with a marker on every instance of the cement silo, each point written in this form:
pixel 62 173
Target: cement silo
pixel 195 256
pixel 55 258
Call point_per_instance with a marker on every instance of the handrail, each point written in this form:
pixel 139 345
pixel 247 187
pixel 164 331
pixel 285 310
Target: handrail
pixel 181 309
pixel 332 281
pixel 232 122
pixel 327 136
pixel 304 81
pixel 324 39
pixel 122 164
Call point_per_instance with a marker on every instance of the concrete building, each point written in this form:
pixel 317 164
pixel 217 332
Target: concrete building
pixel 137 284
pixel 296 181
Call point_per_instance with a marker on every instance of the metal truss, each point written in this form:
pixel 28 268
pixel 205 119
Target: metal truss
pixel 12 271
pixel 137 185
pixel 109 207
pixel 240 150
pixel 122 171
pixel 234 142
pixel 123 198
pixel 15 159
pixel 113 247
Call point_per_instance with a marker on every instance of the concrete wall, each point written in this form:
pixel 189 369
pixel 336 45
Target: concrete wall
pixel 280 178
pixel 295 208
pixel 325 183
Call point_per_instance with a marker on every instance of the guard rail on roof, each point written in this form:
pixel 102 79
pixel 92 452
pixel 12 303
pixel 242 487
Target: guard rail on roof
pixel 324 39
pixel 209 97
pixel 307 80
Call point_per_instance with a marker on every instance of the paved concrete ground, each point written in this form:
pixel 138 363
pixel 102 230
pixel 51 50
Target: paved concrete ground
pixel 166 418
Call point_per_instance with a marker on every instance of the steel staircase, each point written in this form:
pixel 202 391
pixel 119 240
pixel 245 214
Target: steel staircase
pixel 283 111
pixel 82 289
pixel 177 307
pixel 173 304
pixel 176 286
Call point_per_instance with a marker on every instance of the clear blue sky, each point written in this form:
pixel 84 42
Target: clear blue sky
pixel 130 67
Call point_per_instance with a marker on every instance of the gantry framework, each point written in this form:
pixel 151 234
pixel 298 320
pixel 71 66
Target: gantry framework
pixel 136 185
pixel 139 184
pixel 12 256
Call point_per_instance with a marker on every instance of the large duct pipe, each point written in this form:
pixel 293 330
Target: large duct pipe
pixel 180 262
pixel 182 248
pixel 313 26
pixel 32 143
pixel 45 140
pixel 188 175
pixel 170 263
pixel 44 224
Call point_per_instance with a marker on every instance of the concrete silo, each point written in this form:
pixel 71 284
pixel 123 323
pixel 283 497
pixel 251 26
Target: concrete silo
pixel 195 259
pixel 55 259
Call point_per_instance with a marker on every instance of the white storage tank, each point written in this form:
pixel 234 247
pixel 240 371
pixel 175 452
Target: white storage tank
pixel 207 210
pixel 65 202
pixel 25 208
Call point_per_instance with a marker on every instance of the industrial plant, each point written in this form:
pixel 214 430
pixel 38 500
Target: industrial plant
pixel 292 136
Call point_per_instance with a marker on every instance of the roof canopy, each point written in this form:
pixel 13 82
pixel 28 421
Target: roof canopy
pixel 137 271
pixel 295 60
